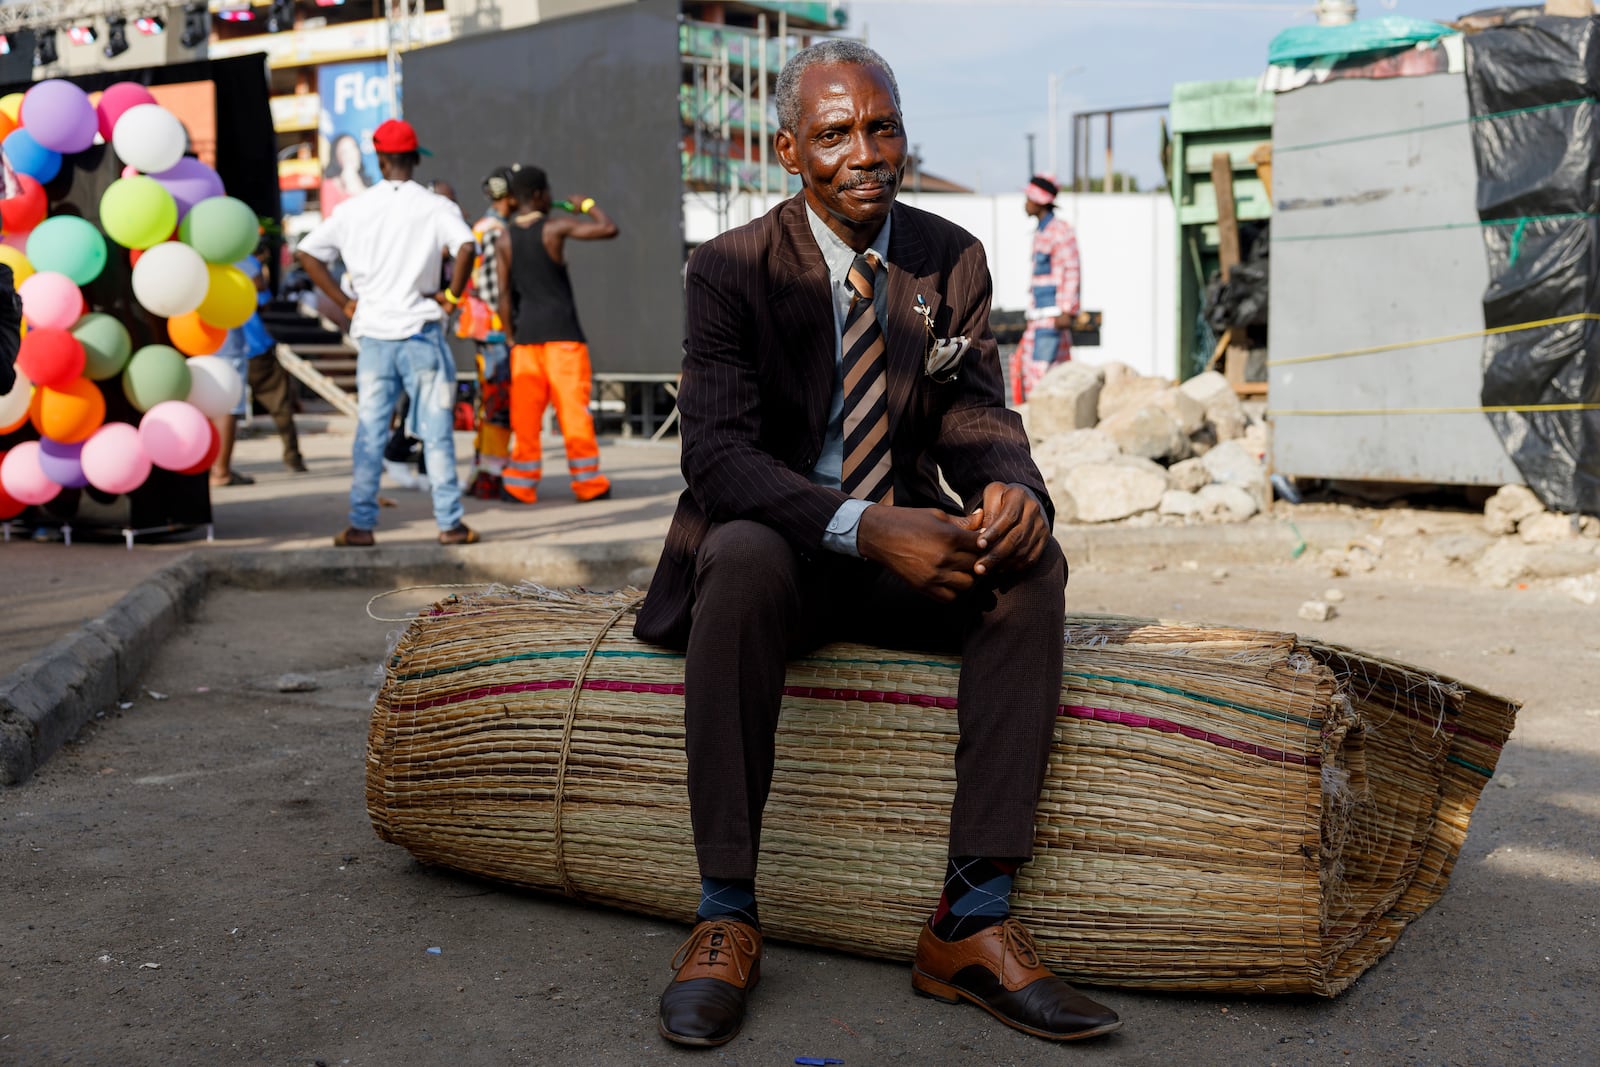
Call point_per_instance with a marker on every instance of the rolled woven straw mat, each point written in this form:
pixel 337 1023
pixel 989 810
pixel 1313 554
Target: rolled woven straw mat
pixel 1225 809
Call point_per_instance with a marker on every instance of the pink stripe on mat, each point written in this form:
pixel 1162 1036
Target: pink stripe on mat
pixel 877 696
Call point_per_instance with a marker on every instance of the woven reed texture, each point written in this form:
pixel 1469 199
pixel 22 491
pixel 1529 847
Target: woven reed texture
pixel 1225 810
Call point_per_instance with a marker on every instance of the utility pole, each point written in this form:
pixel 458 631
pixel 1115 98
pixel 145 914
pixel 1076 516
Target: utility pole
pixel 1050 128
pixel 1031 169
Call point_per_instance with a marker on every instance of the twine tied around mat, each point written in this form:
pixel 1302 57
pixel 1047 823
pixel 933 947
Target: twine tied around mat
pixel 566 741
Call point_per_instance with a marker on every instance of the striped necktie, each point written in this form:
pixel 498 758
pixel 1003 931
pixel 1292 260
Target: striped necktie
pixel 866 472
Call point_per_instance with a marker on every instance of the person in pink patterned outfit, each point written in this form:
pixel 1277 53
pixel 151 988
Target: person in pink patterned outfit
pixel 1053 293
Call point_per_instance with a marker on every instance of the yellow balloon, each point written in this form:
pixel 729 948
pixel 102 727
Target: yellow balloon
pixel 11 104
pixel 230 298
pixel 21 269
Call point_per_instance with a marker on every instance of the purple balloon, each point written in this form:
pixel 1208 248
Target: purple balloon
pixel 190 182
pixel 61 463
pixel 59 116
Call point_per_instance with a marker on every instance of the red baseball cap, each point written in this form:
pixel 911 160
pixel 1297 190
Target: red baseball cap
pixel 396 135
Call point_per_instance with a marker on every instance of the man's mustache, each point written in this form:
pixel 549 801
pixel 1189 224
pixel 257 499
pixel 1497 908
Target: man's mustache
pixel 884 177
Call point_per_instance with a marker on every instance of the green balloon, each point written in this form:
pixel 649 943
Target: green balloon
pixel 106 345
pixel 68 245
pixel 221 228
pixel 138 212
pixel 156 373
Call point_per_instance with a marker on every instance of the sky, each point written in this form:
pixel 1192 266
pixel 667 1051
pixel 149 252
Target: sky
pixel 974 75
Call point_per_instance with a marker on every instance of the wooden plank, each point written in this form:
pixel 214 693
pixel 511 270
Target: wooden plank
pixel 317 382
pixel 1227 221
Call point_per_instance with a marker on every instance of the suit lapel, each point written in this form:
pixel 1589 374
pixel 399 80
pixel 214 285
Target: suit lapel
pixel 906 333
pixel 802 307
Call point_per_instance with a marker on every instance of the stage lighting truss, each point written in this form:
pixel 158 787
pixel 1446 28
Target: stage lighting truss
pixel 42 15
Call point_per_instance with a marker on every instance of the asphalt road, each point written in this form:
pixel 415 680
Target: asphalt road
pixel 194 881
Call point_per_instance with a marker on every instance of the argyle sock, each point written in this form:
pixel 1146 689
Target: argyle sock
pixel 977 895
pixel 728 898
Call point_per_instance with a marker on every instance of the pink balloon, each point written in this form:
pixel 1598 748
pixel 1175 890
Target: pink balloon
pixel 175 435
pixel 52 300
pixel 114 460
pixel 117 99
pixel 190 182
pixel 23 478
pixel 130 171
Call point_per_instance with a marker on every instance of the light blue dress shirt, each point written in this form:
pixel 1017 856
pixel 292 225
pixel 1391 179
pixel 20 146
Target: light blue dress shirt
pixel 840 535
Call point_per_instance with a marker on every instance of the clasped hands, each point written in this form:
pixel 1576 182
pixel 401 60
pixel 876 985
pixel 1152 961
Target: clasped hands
pixel 943 555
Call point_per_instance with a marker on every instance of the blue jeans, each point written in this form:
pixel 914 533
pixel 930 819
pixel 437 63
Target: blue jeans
pixel 422 367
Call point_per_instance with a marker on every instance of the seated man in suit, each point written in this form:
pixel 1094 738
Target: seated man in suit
pixel 819 409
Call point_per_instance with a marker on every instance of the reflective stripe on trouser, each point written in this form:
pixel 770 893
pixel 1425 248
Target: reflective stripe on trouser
pixel 555 372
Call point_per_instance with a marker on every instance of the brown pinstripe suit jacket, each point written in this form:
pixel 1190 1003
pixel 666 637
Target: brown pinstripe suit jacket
pixel 758 373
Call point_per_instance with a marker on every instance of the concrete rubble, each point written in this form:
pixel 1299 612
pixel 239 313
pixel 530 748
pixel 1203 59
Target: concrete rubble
pixel 1156 452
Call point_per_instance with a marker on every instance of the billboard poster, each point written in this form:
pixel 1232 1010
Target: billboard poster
pixel 355 100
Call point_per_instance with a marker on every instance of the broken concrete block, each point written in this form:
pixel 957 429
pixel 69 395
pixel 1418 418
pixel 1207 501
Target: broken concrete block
pixel 1189 475
pixel 1231 463
pixel 1227 503
pixel 1547 528
pixel 1180 503
pixel 1185 410
pixel 1126 388
pixel 1509 506
pixel 1105 492
pixel 1066 399
pixel 1146 431
pixel 1317 611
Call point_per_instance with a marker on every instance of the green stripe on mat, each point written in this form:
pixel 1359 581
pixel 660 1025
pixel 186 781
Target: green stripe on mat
pixel 1486 772
pixel 578 653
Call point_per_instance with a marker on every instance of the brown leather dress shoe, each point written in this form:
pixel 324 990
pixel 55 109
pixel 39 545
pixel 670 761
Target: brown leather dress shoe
pixel 354 537
pixel 459 534
pixel 998 969
pixel 717 967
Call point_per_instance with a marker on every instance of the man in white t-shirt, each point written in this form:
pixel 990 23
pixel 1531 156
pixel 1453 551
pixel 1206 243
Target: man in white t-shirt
pixel 390 238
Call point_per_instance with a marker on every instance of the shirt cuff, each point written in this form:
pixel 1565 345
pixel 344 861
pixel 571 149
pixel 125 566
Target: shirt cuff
pixel 840 536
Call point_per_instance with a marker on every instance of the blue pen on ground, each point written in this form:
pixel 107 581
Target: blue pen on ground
pixel 436 951
pixel 816 1061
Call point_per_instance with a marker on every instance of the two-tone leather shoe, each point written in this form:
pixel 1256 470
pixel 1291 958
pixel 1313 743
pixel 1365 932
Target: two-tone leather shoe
pixel 716 969
pixel 998 969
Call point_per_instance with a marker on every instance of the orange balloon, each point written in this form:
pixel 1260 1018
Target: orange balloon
pixel 193 336
pixel 7 124
pixel 71 413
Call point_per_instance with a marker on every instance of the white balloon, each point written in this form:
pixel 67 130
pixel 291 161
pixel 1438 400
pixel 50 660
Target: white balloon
pixel 14 405
pixel 149 138
pixel 215 387
pixel 170 279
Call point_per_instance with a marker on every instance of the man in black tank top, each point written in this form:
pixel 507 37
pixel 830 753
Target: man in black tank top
pixel 550 356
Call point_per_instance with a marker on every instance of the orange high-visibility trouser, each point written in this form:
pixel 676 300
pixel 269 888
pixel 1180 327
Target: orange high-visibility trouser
pixel 558 372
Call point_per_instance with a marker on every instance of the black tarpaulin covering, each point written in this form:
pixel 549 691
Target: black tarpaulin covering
pixel 1533 87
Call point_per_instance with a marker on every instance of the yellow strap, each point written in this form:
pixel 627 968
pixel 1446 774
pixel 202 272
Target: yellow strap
pixel 1347 353
pixel 1495 410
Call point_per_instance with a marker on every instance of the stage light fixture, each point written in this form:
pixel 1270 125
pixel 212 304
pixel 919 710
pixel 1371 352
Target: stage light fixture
pixel 280 16
pixel 44 48
pixel 116 36
pixel 150 25
pixel 81 35
pixel 5 44
pixel 196 25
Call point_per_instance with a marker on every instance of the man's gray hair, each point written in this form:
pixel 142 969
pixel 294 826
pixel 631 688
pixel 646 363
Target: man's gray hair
pixel 831 51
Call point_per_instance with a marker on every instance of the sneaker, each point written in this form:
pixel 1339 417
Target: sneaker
pixel 459 534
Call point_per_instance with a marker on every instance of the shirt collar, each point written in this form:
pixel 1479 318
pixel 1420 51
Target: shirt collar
pixel 835 252
pixel 1044 219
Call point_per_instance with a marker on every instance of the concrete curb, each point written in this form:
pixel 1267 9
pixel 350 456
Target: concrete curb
pixel 48 700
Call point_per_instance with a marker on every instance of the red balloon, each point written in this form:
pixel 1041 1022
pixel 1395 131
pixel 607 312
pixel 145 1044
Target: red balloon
pixel 10 507
pixel 27 209
pixel 211 453
pixel 50 357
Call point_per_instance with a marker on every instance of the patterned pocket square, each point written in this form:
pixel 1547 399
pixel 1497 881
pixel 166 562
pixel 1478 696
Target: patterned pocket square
pixel 943 361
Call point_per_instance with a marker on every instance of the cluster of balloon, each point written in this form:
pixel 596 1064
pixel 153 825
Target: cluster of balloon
pixel 184 235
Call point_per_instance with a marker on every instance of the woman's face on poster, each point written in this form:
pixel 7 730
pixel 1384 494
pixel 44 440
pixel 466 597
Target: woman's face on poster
pixel 347 153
